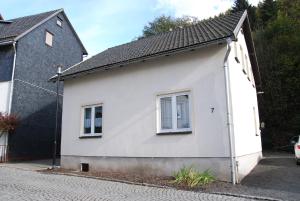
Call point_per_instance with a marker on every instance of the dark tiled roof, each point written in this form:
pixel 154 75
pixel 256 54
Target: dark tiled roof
pixel 201 33
pixel 8 31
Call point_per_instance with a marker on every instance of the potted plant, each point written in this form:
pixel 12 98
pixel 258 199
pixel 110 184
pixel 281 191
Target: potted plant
pixel 8 123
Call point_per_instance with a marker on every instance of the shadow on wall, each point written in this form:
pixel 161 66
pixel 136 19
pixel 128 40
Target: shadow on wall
pixel 33 139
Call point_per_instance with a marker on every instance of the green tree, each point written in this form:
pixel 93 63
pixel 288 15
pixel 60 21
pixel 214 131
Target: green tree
pixel 241 5
pixel 167 23
pixel 278 47
pixel 266 12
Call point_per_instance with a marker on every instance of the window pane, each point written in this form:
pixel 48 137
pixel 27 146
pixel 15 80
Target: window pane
pixel 49 38
pixel 59 22
pixel 166 112
pixel 87 120
pixel 98 119
pixel 182 105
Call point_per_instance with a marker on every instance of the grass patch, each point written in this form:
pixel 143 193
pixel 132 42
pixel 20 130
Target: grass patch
pixel 192 178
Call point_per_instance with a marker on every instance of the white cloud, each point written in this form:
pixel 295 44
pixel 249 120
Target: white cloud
pixel 198 8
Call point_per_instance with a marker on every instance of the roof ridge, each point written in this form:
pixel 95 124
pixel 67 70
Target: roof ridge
pixel 43 13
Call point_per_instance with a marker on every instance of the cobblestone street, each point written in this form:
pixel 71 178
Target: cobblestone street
pixel 17 184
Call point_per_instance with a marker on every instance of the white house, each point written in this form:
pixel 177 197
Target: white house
pixel 154 105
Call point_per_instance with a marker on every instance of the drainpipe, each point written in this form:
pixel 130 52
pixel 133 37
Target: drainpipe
pixel 11 87
pixel 12 78
pixel 229 115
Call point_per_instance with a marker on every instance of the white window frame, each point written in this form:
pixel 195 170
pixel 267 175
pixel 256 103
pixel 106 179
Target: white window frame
pixel 174 129
pixel 92 133
pixel 49 41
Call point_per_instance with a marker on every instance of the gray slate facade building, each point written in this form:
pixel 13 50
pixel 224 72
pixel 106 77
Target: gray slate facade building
pixel 30 49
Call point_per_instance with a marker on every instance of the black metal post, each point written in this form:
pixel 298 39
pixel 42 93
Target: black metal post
pixel 56 118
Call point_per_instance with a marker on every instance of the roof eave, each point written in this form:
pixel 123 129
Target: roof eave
pixel 75 33
pixel 252 53
pixel 240 23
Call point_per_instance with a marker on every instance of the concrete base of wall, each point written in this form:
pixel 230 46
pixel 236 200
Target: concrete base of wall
pixel 220 167
pixel 246 163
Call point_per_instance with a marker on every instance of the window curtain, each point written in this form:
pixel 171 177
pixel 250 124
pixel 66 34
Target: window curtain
pixel 182 105
pixel 166 112
pixel 87 120
pixel 98 119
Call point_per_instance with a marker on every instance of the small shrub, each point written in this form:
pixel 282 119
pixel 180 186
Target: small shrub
pixel 193 178
pixel 8 123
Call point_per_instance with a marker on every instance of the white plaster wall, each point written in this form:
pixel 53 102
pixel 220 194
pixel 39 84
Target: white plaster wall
pixel 129 108
pixel 244 99
pixel 4 96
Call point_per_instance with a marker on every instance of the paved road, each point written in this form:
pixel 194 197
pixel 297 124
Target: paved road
pixel 18 184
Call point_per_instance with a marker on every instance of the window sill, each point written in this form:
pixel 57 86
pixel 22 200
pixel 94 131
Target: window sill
pixel 90 136
pixel 174 133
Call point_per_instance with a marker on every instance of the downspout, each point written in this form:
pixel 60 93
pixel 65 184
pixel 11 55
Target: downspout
pixel 11 88
pixel 229 115
pixel 12 78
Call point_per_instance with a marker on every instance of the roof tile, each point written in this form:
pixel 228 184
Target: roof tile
pixel 194 35
pixel 20 25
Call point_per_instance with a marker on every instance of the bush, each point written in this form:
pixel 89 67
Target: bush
pixel 8 123
pixel 193 178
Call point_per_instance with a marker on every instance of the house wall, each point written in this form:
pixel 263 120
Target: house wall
pixel 128 95
pixel 34 98
pixel 6 62
pixel 247 138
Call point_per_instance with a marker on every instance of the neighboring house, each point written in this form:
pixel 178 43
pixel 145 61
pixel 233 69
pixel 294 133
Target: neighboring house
pixel 154 105
pixel 30 49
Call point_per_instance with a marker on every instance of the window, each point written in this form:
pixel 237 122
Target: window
pixel 173 113
pixel 92 120
pixel 49 38
pixel 59 22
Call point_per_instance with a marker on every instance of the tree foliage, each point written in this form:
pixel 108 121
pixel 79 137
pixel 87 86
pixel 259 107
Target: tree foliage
pixel 167 23
pixel 8 123
pixel 277 42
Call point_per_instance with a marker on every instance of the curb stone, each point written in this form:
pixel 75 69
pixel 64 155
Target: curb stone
pixel 247 196
pixel 165 187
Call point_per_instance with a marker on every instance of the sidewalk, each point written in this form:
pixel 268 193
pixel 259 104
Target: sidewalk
pixel 30 165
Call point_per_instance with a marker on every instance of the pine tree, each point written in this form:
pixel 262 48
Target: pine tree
pixel 266 12
pixel 240 5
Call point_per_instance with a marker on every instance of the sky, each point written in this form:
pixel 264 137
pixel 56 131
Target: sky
pixel 101 24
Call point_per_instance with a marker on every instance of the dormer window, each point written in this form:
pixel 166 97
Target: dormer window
pixel 49 38
pixel 59 22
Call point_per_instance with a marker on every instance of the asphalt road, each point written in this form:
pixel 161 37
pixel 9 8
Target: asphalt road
pixel 276 176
